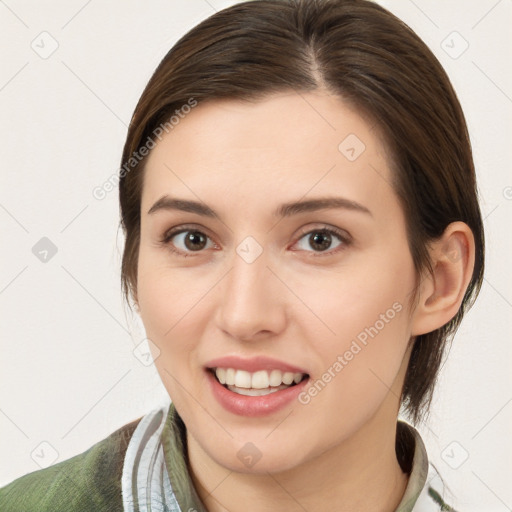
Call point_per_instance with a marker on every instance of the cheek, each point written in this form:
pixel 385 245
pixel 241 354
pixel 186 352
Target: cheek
pixel 167 295
pixel 164 302
pixel 368 316
pixel 343 302
pixel 169 307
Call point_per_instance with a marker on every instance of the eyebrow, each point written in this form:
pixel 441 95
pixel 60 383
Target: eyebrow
pixel 284 210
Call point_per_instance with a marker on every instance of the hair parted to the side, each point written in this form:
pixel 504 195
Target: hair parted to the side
pixel 360 52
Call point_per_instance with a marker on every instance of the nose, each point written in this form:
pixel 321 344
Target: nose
pixel 251 301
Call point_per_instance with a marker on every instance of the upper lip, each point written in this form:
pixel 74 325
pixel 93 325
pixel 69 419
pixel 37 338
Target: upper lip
pixel 253 364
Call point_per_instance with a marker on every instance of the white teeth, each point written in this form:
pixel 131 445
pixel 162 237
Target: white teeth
pixel 221 375
pixel 242 379
pixel 256 392
pixel 275 377
pixel 230 376
pixel 261 379
pixel 287 378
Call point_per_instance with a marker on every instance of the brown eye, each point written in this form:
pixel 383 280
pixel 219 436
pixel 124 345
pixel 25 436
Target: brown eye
pixel 195 240
pixel 185 241
pixel 322 240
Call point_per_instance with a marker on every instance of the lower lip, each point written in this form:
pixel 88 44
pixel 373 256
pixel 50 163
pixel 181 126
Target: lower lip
pixel 254 405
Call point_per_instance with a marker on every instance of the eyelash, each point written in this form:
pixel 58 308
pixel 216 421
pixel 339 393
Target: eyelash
pixel 342 235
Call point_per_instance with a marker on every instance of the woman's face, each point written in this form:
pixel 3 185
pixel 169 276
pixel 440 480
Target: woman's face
pixel 261 290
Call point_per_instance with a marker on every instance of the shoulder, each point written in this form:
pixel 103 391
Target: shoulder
pixel 88 481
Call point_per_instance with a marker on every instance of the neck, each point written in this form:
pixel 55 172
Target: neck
pixel 360 474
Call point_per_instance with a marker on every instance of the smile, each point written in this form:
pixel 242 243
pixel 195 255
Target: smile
pixel 255 394
pixel 259 383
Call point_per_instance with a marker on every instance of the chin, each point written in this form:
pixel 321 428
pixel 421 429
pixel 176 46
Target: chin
pixel 257 458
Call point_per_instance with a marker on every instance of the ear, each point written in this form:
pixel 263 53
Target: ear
pixel 441 294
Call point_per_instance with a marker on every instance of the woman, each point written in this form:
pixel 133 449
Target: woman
pixel 303 236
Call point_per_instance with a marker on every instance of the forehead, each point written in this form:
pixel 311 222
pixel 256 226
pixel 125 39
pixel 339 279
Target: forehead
pixel 281 147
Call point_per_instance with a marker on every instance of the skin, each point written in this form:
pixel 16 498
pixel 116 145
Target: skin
pixel 295 302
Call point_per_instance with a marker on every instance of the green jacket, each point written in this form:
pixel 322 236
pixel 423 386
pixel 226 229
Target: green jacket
pixel 86 482
pixel 143 465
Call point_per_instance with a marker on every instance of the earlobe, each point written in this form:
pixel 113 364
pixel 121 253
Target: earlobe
pixel 441 294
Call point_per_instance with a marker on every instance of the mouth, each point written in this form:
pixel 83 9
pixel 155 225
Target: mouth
pixel 258 383
pixel 256 386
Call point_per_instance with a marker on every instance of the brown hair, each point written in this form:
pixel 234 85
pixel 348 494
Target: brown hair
pixel 362 53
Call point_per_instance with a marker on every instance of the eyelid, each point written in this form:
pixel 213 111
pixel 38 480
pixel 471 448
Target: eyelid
pixel 180 229
pixel 341 233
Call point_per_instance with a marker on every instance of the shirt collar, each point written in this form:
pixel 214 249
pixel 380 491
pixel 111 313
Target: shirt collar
pixel 419 471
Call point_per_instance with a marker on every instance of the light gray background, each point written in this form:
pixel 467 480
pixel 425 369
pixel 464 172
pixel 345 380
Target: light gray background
pixel 69 376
